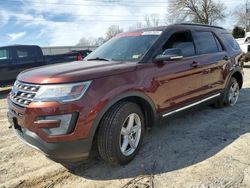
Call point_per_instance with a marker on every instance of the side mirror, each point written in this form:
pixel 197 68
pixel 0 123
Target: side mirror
pixel 169 55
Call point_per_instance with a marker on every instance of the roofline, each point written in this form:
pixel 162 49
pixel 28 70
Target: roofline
pixel 164 27
pixel 18 45
pixel 201 25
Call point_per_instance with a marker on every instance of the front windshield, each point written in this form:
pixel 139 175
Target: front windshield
pixel 125 47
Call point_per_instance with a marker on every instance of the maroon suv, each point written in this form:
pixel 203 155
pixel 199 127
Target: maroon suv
pixel 122 88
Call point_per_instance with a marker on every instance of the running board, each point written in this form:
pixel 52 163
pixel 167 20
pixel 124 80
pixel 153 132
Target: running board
pixel 191 105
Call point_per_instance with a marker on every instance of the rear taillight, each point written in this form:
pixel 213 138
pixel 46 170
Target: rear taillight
pixel 79 57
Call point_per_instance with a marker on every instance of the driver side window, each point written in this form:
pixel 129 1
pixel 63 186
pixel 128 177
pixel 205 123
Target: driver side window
pixel 182 41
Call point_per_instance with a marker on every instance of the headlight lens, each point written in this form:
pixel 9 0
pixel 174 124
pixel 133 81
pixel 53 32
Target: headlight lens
pixel 62 92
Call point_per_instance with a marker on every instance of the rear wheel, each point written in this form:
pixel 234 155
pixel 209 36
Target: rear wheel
pixel 231 94
pixel 121 133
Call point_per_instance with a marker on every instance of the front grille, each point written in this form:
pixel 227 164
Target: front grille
pixel 22 94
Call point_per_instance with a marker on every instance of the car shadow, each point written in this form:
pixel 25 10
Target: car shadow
pixel 4 94
pixel 177 143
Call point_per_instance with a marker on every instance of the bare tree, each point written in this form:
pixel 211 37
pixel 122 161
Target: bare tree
pixel 149 21
pixel 138 25
pixel 99 41
pixel 84 42
pixel 239 15
pixel 199 11
pixel 112 31
pixel 152 20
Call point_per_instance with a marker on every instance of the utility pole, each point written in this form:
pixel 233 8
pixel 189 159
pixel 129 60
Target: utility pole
pixel 247 15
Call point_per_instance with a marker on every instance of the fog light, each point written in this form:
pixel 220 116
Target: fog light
pixel 67 124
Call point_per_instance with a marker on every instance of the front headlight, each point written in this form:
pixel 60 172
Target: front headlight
pixel 61 92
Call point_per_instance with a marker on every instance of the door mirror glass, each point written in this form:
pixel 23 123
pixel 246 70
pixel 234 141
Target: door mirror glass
pixel 169 55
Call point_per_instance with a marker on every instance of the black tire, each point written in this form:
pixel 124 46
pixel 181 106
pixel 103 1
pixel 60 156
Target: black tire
pixel 109 133
pixel 225 99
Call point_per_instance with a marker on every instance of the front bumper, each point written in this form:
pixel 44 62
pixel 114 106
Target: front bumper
pixel 28 117
pixel 71 147
pixel 70 151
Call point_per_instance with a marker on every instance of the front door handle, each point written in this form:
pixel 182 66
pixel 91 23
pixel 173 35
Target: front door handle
pixel 195 64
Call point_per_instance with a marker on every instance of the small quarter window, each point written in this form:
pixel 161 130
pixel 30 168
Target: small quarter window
pixel 231 41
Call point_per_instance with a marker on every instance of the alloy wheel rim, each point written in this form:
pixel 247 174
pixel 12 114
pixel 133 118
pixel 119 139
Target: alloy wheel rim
pixel 130 134
pixel 234 93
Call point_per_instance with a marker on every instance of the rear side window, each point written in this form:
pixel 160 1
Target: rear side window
pixel 205 42
pixel 25 52
pixel 4 54
pixel 231 41
pixel 219 44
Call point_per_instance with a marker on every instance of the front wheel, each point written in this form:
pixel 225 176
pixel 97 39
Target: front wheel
pixel 231 94
pixel 121 133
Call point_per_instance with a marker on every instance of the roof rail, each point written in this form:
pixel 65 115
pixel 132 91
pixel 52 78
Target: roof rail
pixel 197 24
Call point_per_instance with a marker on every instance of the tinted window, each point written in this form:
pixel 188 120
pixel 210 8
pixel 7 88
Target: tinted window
pixel 25 52
pixel 231 41
pixel 218 44
pixel 4 54
pixel 205 42
pixel 87 53
pixel 183 41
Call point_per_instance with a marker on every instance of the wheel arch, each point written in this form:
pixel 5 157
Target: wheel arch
pixel 144 102
pixel 237 73
pixel 238 76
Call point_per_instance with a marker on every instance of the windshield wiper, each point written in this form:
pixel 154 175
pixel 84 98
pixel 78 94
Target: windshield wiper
pixel 99 59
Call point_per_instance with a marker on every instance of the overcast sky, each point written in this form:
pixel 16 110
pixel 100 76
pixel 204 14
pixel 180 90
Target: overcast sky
pixel 64 22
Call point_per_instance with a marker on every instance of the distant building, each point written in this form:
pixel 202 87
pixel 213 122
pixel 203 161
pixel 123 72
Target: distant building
pixel 53 50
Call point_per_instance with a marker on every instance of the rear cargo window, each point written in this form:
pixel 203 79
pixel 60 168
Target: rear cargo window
pixel 25 52
pixel 4 54
pixel 231 41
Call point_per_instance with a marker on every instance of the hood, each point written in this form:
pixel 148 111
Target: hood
pixel 74 71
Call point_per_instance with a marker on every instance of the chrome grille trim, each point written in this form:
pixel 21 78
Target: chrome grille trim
pixel 22 94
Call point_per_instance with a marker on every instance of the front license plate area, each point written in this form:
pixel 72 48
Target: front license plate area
pixel 11 121
pixel 14 123
pixel 16 126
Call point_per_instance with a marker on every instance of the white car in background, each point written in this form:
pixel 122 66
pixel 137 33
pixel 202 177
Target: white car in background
pixel 245 45
pixel 244 42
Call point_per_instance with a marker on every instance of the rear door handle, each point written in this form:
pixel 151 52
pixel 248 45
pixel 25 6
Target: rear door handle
pixel 226 58
pixel 207 71
pixel 195 64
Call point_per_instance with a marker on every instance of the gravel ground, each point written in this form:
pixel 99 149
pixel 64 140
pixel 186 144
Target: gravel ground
pixel 206 148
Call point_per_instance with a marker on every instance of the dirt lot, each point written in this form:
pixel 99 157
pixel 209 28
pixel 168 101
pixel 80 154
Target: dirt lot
pixel 206 148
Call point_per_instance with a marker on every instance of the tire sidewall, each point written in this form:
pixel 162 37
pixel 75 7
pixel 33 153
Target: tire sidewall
pixel 128 109
pixel 226 97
